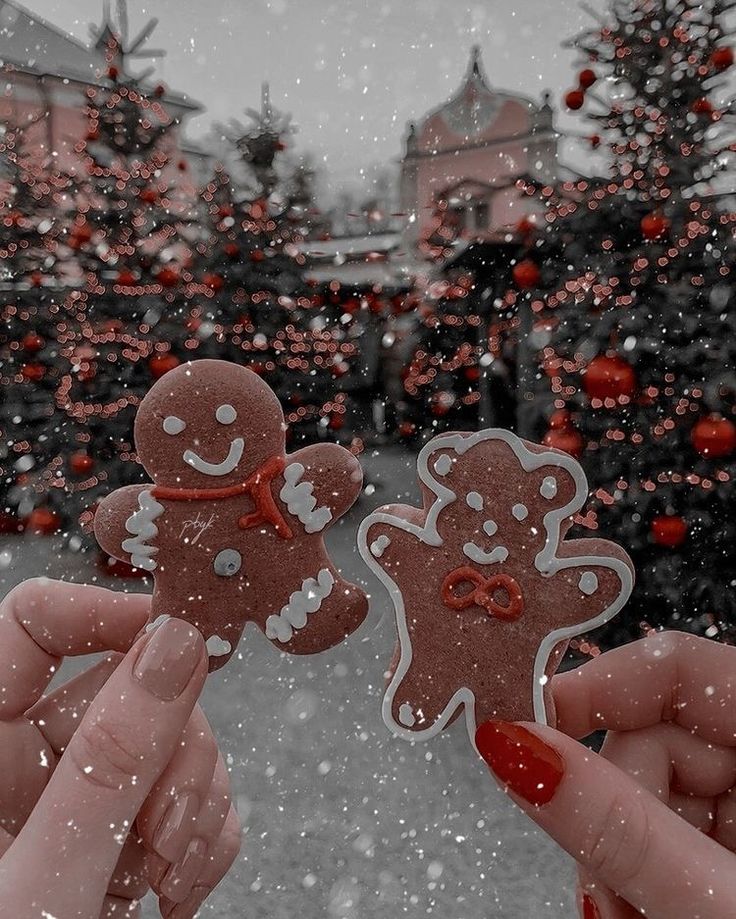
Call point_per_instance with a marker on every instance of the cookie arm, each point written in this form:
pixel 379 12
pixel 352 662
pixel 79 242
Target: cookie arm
pixel 111 518
pixel 321 483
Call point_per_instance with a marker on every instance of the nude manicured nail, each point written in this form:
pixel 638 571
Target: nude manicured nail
pixel 176 827
pixel 590 910
pixel 169 658
pixel 521 760
pixel 188 909
pixel 177 884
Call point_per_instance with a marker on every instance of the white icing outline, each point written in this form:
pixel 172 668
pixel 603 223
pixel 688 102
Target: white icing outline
pixel 141 527
pixel 299 499
pixel 234 456
pixel 545 561
pixel 302 603
pixel 217 646
pixel 474 500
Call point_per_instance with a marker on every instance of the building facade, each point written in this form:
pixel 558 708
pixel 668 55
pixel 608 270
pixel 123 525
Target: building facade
pixel 468 153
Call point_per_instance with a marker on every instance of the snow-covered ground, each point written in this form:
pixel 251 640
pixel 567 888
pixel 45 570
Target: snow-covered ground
pixel 343 820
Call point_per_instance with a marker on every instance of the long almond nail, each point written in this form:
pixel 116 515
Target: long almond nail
pixel 176 827
pixel 525 764
pixel 169 659
pixel 179 879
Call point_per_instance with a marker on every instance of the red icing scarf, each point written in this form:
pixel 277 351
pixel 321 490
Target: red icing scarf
pixel 258 489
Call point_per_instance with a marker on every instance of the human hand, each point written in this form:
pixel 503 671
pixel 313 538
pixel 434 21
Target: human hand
pixel 112 783
pixel 652 820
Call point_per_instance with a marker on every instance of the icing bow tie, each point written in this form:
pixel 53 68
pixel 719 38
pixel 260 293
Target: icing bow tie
pixel 500 594
pixel 258 489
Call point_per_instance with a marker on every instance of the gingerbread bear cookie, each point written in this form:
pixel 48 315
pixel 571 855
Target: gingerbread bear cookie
pixel 486 590
pixel 231 527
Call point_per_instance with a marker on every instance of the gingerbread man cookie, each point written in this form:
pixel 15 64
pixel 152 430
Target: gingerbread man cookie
pixel 486 590
pixel 231 527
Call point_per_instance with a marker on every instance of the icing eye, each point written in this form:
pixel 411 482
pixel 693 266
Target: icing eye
pixel 226 414
pixel 174 425
pixel 227 563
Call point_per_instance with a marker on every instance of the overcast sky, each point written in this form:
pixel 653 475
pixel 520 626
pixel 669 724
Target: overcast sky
pixel 351 72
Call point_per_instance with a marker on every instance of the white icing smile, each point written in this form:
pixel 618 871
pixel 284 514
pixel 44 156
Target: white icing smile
pixel 232 459
pixel 307 600
pixel 481 557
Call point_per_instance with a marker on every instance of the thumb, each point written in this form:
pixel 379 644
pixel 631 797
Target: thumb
pixel 63 858
pixel 619 832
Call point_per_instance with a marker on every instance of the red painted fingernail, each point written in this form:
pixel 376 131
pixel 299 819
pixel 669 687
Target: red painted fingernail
pixel 590 910
pixel 527 765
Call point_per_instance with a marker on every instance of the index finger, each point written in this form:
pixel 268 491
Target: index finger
pixel 668 676
pixel 42 620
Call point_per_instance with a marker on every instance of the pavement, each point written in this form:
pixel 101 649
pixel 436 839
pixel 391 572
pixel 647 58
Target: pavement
pixel 344 821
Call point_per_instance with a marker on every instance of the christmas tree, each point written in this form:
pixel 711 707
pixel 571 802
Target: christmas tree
pixel 32 272
pixel 626 294
pixel 121 323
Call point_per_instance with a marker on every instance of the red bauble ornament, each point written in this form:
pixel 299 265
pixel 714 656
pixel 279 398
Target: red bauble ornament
pixel 215 282
pixel 126 278
pixel 81 463
pixel 702 106
pixel 160 364
pixel 336 422
pixel 33 343
pixel 231 250
pixel 568 439
pixel 595 141
pixel 167 277
pixel 654 226
pixel 609 378
pixel 42 521
pixel 407 429
pixel 36 279
pixel 575 99
pixel 668 531
pixel 722 58
pixel 714 436
pixel 159 91
pixel 82 232
pixel 148 195
pixel 586 78
pixel 257 255
pixel 526 226
pixel 526 274
pixel 560 419
pixel 113 72
pixel 472 374
pixel 182 165
pixel 441 403
pixel 34 373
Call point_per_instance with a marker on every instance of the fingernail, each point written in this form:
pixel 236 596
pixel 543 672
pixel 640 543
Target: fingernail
pixel 590 910
pixel 176 827
pixel 177 884
pixel 169 658
pixel 521 760
pixel 189 908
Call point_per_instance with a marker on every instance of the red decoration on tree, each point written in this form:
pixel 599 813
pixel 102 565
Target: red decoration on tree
pixel 126 278
pixel 702 106
pixel 33 343
pixel 722 58
pixel 113 72
pixel 526 274
pixel 231 250
pixel 586 78
pixel 654 226
pixel 42 521
pixel 257 255
pixel 160 364
pixel 148 195
pixel 595 141
pixel 575 99
pixel 159 91
pixel 215 282
pixel 167 277
pixel 668 531
pixel 81 463
pixel 34 373
pixel 563 435
pixel 407 429
pixel 714 436
pixel 441 403
pixel 609 378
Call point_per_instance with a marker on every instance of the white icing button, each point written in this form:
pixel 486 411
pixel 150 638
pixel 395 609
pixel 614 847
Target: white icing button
pixel 588 582
pixel 227 563
pixel 490 527
pixel 520 511
pixel 217 647
pixel 406 715
pixel 379 546
pixel 174 425
pixel 226 414
pixel 548 488
pixel 474 500
pixel 443 465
